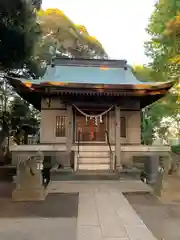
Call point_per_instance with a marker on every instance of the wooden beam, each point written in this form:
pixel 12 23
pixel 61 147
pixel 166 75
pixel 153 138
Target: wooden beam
pixel 69 129
pixel 118 136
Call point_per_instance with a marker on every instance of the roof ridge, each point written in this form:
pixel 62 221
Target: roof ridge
pixel 89 62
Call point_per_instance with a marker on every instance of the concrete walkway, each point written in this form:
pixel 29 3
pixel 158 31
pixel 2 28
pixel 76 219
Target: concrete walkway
pixel 103 211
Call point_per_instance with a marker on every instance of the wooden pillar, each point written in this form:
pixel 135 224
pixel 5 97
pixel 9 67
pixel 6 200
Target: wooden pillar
pixel 69 140
pixel 118 137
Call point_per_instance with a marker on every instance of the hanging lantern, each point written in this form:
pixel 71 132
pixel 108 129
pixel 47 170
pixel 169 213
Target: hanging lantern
pixel 100 119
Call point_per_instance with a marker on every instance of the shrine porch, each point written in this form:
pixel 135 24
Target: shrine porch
pixel 97 156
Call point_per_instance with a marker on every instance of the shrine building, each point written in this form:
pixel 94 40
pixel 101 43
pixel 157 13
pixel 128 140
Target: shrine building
pixel 90 112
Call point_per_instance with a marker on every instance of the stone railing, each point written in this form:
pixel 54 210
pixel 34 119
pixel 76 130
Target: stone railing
pixel 146 148
pixel 62 147
pixel 29 185
pixel 57 153
pixel 38 147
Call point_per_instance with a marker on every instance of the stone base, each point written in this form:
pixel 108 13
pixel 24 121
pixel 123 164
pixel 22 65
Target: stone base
pixel 118 168
pixel 178 170
pixel 29 194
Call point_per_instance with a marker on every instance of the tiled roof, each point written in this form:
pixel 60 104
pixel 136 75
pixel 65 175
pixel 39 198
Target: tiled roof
pixel 89 75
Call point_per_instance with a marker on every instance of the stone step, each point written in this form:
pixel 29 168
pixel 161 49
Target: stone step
pixel 93 160
pixel 93 148
pixel 93 167
pixel 97 172
pixel 94 154
pixel 85 175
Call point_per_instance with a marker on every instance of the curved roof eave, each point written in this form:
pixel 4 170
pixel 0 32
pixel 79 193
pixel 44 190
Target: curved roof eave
pixel 125 86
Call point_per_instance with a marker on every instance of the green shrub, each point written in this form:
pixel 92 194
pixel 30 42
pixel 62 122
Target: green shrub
pixel 175 149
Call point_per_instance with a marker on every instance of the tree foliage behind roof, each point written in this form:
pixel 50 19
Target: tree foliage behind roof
pixel 65 37
pixel 19 32
pixel 164 30
pixel 168 107
pixel 30 38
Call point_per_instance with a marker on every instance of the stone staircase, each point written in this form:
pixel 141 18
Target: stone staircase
pixel 93 158
pixel 84 175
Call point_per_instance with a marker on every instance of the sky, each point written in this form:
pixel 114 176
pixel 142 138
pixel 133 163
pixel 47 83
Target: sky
pixel 118 24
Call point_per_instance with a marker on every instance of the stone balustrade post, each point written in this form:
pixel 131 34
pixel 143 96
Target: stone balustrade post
pixel 29 178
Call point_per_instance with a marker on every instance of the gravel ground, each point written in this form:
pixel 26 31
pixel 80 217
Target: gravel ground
pixel 162 219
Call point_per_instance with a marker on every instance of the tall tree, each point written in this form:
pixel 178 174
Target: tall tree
pixel 164 51
pixel 66 37
pixel 60 36
pixel 18 33
pixel 37 4
pixel 163 46
pixel 22 116
pixel 172 34
pixel 153 117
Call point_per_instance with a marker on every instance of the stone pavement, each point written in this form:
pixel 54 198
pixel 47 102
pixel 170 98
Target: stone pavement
pixel 38 229
pixel 89 186
pixel 55 218
pixel 104 213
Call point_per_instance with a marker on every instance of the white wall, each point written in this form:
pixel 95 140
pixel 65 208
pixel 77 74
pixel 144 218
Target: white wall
pixel 133 127
pixel 48 121
pixel 48 126
pixel 57 108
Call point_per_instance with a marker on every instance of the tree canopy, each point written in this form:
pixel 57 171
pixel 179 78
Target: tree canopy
pixel 164 30
pixel 160 116
pixel 31 38
pixel 66 37
pixel 163 49
pixel 61 37
pixel 19 32
pixel 37 4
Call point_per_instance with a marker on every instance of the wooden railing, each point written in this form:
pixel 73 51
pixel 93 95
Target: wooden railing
pixel 112 162
pixel 78 146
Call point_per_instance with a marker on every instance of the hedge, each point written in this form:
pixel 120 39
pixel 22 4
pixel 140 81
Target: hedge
pixel 175 149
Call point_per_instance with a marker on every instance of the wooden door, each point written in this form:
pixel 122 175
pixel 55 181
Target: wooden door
pixel 89 131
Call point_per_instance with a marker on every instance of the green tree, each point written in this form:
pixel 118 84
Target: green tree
pixel 15 113
pixel 21 113
pixel 61 37
pixel 18 33
pixel 5 95
pixel 166 108
pixel 37 4
pixel 172 34
pixel 22 117
pixel 163 47
pixel 66 37
pixel 164 51
pixel 147 73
